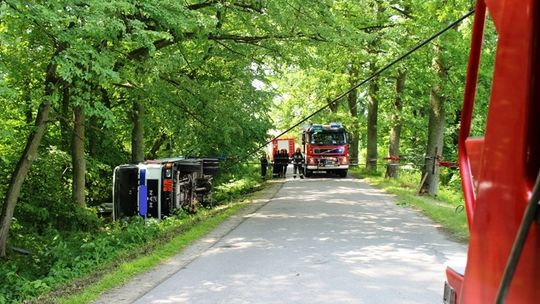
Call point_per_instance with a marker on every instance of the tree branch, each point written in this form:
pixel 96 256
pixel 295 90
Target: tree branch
pixel 144 51
pixel 162 43
pixel 254 39
pixel 249 7
pixel 402 11
pixel 197 6
pixel 238 53
pixel 127 85
pixel 373 28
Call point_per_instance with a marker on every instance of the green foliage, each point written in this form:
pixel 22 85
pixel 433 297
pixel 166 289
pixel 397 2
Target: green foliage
pixel 239 180
pixel 48 204
pixel 98 182
pixel 68 256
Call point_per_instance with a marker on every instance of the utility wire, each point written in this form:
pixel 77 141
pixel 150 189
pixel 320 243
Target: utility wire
pixel 371 77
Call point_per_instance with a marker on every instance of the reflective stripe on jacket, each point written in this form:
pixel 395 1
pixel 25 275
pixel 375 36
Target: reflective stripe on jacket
pixel 298 158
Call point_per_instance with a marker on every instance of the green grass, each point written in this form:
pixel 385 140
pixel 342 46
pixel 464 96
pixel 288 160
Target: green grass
pixel 445 209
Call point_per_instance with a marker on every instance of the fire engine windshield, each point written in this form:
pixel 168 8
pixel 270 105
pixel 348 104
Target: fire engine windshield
pixel 328 138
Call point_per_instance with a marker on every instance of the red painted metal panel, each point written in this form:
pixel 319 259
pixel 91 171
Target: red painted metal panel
pixel 282 143
pixel 474 147
pixel 291 147
pixel 455 280
pixel 467 110
pixel 504 184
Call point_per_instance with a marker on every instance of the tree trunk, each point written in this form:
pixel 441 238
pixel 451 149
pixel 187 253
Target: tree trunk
pixel 19 174
pixel 333 106
pixel 373 108
pixel 137 133
pixel 77 157
pixel 436 127
pixel 395 131
pixel 352 100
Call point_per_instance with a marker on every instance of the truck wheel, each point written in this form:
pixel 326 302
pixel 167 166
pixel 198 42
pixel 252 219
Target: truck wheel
pixel 308 173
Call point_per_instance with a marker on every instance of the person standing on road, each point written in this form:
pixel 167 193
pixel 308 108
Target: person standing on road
pixel 264 165
pixel 284 162
pixel 298 161
pixel 276 171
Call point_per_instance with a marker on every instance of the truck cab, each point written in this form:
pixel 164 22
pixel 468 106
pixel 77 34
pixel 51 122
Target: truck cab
pixel 326 149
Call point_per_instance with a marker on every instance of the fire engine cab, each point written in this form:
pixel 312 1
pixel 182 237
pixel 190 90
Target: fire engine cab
pixel 326 149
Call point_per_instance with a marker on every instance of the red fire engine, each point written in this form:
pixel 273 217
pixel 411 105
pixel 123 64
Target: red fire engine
pixel 326 149
pixel 278 144
pixel 500 170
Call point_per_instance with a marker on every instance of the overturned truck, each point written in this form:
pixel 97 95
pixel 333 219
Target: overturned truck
pixel 155 188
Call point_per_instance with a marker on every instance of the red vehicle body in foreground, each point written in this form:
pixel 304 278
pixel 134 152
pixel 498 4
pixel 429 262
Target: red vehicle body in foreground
pixel 499 171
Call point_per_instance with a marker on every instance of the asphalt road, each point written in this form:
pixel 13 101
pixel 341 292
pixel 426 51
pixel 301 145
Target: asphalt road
pixel 321 240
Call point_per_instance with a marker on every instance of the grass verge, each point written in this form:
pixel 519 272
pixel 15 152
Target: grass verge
pixel 446 210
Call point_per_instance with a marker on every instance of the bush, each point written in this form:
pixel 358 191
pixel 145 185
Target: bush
pixel 98 182
pixel 240 179
pixel 46 197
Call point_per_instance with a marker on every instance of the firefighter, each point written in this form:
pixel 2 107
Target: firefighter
pixel 298 161
pixel 264 165
pixel 284 162
pixel 276 170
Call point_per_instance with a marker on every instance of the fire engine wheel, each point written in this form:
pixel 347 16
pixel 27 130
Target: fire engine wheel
pixel 341 173
pixel 308 173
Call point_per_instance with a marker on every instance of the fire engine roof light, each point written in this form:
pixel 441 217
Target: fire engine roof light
pixel 320 127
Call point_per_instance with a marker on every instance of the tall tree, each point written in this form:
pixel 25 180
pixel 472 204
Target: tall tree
pixel 437 117
pixel 372 118
pixel 25 161
pixel 78 156
pixel 396 124
pixel 352 102
pixel 373 91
